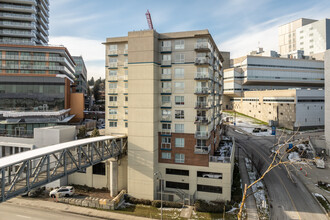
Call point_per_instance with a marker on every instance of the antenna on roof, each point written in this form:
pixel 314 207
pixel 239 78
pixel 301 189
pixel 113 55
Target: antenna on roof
pixel 151 27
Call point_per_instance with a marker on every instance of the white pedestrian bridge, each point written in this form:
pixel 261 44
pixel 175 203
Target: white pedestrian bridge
pixel 19 173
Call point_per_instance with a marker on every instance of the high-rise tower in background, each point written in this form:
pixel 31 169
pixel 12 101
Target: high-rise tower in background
pixel 24 22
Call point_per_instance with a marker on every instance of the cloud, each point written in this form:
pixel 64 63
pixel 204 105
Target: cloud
pixel 93 52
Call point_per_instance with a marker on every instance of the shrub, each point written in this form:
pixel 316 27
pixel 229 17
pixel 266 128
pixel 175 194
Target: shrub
pixel 213 206
pixel 133 200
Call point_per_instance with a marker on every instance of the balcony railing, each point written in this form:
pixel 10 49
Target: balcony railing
pixel 113 65
pixel 165 146
pixel 166 76
pixel 18 33
pixel 203 46
pixel 166 117
pixel 202 60
pixel 202 134
pixel 166 90
pixel 113 103
pixel 113 52
pixel 126 117
pixel 203 105
pixel 19 16
pixel 112 116
pixel 113 78
pixel 125 90
pixel 166 132
pixel 202 149
pixel 202 90
pixel 202 119
pixel 166 104
pixel 166 62
pixel 125 77
pixel 165 49
pixel 125 51
pixel 112 90
pixel 125 64
pixel 203 76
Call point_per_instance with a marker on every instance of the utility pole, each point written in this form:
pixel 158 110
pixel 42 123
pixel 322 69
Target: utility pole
pixel 161 193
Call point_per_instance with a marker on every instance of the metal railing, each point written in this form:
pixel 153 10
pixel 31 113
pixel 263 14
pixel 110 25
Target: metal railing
pixel 203 75
pixel 203 105
pixel 20 173
pixel 202 119
pixel 166 104
pixel 202 60
pixel 166 62
pixel 202 134
pixel 202 149
pixel 203 45
pixel 202 90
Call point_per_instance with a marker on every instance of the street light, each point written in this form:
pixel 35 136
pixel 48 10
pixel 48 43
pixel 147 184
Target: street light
pixel 161 193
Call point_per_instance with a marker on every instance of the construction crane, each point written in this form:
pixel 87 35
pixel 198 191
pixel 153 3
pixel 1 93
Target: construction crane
pixel 151 27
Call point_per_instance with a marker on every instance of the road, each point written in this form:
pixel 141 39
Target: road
pixel 287 200
pixel 12 212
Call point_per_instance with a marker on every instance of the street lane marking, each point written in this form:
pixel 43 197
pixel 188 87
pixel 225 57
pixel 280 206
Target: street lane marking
pixel 294 206
pixel 23 216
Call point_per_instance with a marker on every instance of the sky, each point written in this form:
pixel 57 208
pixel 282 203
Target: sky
pixel 238 26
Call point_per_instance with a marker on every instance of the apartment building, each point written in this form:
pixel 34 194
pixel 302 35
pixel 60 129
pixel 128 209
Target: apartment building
pixel 80 75
pixel 314 38
pixel 35 88
pixel 24 22
pixel 293 109
pixel 164 91
pixel 287 35
pixel 327 99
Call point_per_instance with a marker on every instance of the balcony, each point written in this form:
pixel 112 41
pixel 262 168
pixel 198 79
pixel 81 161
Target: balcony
pixel 125 77
pixel 203 76
pixel 125 90
pixel 125 51
pixel 113 117
pixel 166 118
pixel 202 119
pixel 112 91
pixel 202 61
pixel 166 77
pixel 166 104
pixel 21 25
pixel 113 65
pixel 165 49
pixel 166 90
pixel 113 78
pixel 166 132
pixel 202 134
pixel 113 53
pixel 18 8
pixel 203 46
pixel 113 104
pixel 202 91
pixel 17 33
pixel 14 16
pixel 125 64
pixel 126 117
pixel 203 105
pixel 166 63
pixel 165 146
pixel 202 149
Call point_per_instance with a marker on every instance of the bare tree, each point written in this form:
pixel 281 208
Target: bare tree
pixel 278 157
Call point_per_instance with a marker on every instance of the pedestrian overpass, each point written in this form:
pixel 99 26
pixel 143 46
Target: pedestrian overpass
pixel 19 173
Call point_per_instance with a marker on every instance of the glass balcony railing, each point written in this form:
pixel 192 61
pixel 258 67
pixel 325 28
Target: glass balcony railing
pixel 203 76
pixel 113 90
pixel 125 64
pixel 202 90
pixel 165 49
pixel 203 46
pixel 113 116
pixel 165 146
pixel 166 90
pixel 202 149
pixel 113 52
pixel 113 103
pixel 202 119
pixel 166 62
pixel 166 118
pixel 166 76
pixel 113 78
pixel 203 105
pixel 113 65
pixel 202 61
pixel 202 134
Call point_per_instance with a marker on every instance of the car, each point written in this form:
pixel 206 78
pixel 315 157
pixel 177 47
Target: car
pixel 65 191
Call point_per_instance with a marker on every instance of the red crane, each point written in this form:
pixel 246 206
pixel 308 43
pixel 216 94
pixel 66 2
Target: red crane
pixel 151 27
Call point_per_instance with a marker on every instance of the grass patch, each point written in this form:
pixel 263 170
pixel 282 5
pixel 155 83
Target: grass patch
pixel 205 215
pixel 257 121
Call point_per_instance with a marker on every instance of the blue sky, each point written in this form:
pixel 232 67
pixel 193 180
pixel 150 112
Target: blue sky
pixel 237 26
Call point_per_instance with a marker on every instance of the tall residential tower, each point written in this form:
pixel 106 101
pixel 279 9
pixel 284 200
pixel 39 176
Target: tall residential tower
pixel 164 91
pixel 24 22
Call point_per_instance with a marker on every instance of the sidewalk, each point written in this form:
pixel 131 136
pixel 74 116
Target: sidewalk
pixel 60 207
pixel 250 203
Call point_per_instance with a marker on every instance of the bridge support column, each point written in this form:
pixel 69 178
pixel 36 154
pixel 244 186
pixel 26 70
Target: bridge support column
pixel 113 178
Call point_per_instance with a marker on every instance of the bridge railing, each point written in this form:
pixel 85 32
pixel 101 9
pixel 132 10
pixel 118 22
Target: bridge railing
pixel 19 173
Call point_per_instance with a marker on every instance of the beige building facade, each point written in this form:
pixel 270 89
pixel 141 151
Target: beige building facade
pixel 164 91
pixel 327 99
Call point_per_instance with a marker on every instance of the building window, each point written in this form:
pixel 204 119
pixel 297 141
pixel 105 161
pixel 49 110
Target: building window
pixel 179 86
pixel 113 111
pixel 166 100
pixel 179 158
pixel 166 155
pixel 126 124
pixel 179 58
pixel 166 143
pixel 211 189
pixel 112 85
pixel 166 57
pixel 179 73
pixel 113 98
pixel 126 85
pixel 112 124
pixel 126 98
pixel 112 60
pixel 113 74
pixel 166 44
pixel 209 175
pixel 179 100
pixel 179 142
pixel 166 71
pixel 179 128
pixel 179 114
pixel 177 172
pixel 179 44
pixel 176 185
pixel 113 47
pixel 166 126
pixel 99 169
pixel 126 111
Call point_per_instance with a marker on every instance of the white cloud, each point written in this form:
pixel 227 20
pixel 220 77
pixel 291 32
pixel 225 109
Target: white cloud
pixel 93 52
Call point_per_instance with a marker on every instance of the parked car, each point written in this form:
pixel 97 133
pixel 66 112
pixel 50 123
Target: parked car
pixel 62 191
pixel 256 130
pixel 263 130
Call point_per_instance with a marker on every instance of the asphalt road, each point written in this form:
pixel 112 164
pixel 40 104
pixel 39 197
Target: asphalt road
pixel 12 212
pixel 287 200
